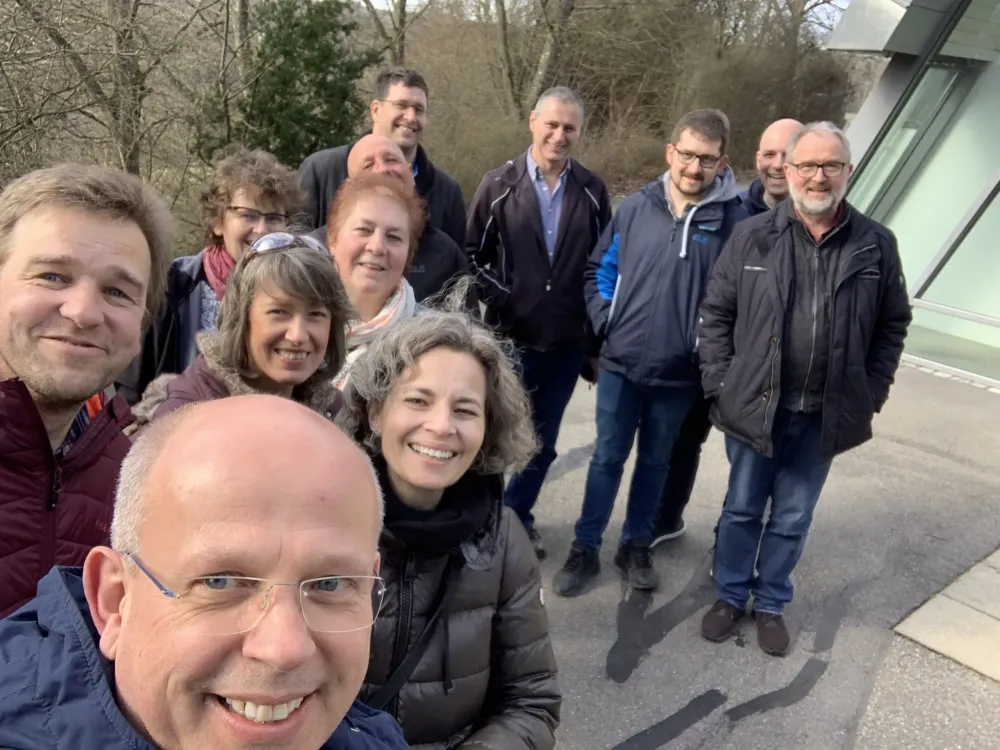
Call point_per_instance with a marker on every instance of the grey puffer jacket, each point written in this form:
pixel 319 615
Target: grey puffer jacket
pixel 487 679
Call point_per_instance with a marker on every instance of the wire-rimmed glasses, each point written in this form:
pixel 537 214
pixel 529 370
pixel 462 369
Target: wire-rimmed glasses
pixel 230 605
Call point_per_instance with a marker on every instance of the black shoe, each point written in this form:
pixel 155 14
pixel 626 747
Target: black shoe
pixel 720 621
pixel 581 566
pixel 636 564
pixel 772 633
pixel 665 534
pixel 536 542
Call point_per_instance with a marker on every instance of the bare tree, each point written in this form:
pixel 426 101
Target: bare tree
pixel 401 15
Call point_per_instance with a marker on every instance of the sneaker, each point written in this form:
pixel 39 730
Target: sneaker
pixel 720 621
pixel 665 535
pixel 536 542
pixel 772 634
pixel 581 566
pixel 636 564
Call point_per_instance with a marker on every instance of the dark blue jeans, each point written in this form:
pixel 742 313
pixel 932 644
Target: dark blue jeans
pixel 549 378
pixel 623 408
pixel 793 479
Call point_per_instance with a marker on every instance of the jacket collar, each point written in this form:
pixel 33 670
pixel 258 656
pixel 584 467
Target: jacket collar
pixel 517 170
pixel 23 425
pixel 785 217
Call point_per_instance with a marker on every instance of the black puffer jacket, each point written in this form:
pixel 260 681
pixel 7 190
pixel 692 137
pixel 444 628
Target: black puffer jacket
pixel 487 680
pixel 744 321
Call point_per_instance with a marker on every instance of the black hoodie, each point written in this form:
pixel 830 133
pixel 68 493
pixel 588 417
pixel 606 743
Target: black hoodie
pixel 322 173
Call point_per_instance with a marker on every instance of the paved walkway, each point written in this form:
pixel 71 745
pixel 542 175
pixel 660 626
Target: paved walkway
pixel 902 519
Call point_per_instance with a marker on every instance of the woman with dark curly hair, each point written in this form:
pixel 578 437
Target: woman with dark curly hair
pixel 250 194
pixel 460 654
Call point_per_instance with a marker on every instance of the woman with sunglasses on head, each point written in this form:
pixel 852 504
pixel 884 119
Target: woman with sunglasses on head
pixel 373 228
pixel 250 194
pixel 281 331
pixel 460 654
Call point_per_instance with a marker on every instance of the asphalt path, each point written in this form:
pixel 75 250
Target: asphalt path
pixel 899 519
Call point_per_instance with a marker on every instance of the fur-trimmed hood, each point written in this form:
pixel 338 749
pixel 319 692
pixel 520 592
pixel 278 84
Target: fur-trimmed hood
pixel 207 378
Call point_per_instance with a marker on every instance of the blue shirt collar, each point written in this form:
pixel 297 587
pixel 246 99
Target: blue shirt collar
pixel 535 173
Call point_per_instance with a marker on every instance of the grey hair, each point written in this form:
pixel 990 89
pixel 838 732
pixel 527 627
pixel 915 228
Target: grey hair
pixel 303 273
pixel 135 470
pixel 563 94
pixel 130 492
pixel 509 441
pixel 823 127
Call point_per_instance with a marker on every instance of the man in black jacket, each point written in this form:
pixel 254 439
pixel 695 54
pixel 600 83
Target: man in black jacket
pixel 398 112
pixel 438 260
pixel 532 224
pixel 802 331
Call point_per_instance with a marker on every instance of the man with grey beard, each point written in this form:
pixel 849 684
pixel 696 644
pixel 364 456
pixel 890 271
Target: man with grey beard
pixel 797 376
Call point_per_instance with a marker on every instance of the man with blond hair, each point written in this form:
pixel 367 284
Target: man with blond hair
pixel 84 253
pixel 217 618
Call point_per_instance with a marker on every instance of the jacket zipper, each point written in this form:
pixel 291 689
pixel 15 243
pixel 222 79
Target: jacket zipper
pixel 771 400
pixel 405 621
pixel 48 557
pixel 815 312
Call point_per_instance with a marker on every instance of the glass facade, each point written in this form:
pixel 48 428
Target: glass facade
pixel 934 179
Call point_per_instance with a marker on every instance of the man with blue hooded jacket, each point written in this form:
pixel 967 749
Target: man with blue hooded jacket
pixel 233 609
pixel 643 285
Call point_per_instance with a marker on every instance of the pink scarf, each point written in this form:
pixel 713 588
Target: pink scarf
pixel 218 264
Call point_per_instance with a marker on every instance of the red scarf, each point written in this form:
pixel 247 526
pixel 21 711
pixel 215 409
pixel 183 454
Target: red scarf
pixel 218 266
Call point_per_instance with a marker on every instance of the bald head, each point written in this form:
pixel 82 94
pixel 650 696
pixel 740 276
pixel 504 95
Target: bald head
pixel 192 455
pixel 376 153
pixel 771 158
pixel 259 520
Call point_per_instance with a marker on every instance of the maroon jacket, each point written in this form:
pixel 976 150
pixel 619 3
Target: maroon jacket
pixel 52 510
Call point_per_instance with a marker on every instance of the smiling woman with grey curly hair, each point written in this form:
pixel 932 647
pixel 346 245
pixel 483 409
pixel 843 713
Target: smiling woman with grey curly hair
pixel 440 407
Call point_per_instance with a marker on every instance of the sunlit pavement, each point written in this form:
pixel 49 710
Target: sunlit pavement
pixel 900 519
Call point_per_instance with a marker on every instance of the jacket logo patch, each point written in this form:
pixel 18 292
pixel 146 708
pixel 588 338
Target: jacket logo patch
pixel 700 239
pixel 749 267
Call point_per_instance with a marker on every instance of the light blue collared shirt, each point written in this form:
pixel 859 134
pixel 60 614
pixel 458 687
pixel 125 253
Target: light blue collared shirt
pixel 549 203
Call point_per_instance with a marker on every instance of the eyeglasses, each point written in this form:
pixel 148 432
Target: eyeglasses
pixel 808 169
pixel 253 216
pixel 688 157
pixel 231 605
pixel 285 240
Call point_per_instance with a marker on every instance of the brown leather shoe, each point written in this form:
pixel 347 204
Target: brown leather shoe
pixel 720 621
pixel 772 634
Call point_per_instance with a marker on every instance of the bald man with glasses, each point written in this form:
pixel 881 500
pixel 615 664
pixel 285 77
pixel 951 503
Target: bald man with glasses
pixel 233 608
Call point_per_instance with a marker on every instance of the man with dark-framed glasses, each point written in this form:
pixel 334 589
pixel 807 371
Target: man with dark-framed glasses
pixel 643 284
pixel 802 330
pixel 233 608
pixel 399 111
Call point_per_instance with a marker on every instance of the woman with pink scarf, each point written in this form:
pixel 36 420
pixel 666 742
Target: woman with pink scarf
pixel 372 231
pixel 250 194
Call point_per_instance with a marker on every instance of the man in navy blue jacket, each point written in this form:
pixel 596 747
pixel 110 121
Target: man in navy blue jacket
pixel 643 285
pixel 233 609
